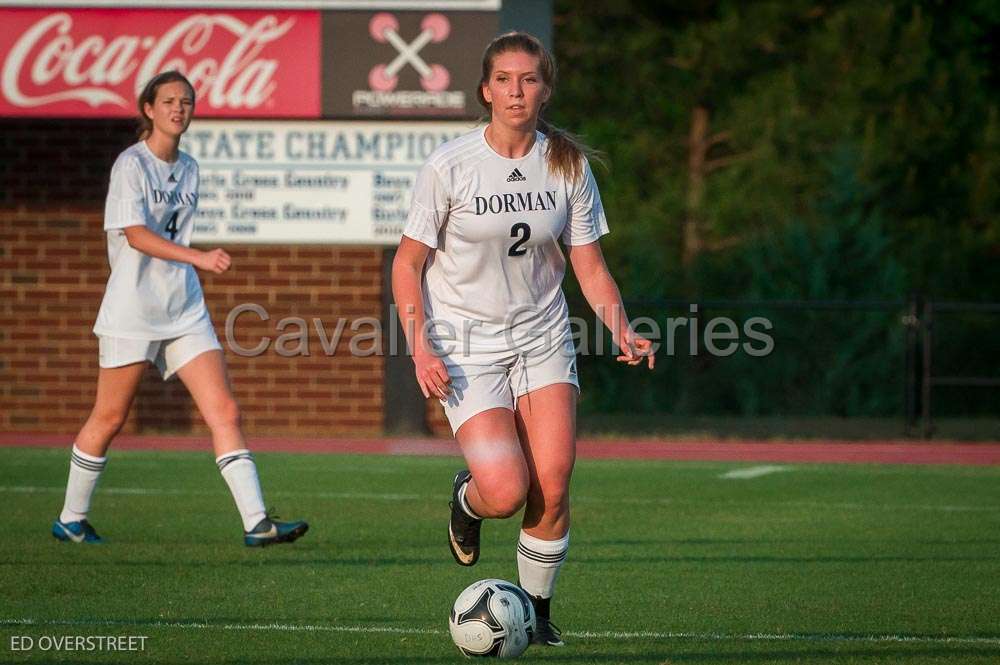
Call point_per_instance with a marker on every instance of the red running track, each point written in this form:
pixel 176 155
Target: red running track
pixel 831 451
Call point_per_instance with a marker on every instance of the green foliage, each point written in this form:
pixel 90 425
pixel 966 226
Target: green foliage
pixel 844 362
pixel 855 154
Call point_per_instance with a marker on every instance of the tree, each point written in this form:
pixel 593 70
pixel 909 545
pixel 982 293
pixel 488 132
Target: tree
pixel 721 121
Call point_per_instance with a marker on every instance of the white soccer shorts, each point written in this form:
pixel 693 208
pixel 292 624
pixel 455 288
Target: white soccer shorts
pixel 480 386
pixel 169 355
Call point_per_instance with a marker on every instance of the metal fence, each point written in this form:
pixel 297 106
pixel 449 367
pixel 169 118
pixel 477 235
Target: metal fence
pixel 889 358
pixel 927 327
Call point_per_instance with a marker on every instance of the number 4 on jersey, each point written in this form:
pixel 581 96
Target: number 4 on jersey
pixel 172 225
pixel 516 231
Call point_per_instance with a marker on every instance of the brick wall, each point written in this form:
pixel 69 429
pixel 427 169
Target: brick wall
pixel 54 266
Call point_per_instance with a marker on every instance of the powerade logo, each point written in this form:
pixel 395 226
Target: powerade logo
pixel 383 77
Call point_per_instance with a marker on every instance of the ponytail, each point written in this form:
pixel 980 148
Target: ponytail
pixel 565 153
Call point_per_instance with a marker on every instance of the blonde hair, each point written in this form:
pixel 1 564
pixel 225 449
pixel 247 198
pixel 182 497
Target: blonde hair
pixel 564 153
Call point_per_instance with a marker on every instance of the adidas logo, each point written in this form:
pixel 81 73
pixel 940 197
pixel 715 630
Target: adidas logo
pixel 516 176
pixel 171 178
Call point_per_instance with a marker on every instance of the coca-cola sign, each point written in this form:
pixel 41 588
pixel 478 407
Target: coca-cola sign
pixel 93 63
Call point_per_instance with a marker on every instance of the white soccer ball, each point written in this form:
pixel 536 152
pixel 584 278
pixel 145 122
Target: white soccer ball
pixel 492 618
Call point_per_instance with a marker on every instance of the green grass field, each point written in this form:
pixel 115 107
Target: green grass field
pixel 669 563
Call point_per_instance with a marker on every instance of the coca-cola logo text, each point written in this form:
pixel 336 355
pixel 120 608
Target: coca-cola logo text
pixel 231 59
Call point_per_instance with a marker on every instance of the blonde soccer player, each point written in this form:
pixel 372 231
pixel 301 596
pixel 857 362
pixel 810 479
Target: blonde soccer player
pixel 153 311
pixel 477 279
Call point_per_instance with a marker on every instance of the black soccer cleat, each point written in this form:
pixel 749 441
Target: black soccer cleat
pixel 463 531
pixel 546 633
pixel 270 531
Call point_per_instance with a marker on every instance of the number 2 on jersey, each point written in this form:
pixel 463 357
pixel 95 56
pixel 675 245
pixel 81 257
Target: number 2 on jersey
pixel 172 225
pixel 516 232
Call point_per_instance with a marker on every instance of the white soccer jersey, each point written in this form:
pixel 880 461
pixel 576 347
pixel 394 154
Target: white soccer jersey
pixel 147 297
pixel 494 223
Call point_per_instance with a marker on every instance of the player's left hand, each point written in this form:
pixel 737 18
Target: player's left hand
pixel 636 347
pixel 215 260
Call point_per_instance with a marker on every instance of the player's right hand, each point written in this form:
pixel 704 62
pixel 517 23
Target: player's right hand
pixel 432 375
pixel 216 260
pixel 636 347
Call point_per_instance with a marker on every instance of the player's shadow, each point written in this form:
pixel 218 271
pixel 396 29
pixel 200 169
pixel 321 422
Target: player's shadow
pixel 162 405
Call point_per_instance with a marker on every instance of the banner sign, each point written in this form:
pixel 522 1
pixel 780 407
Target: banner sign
pixel 93 63
pixel 482 5
pixel 309 182
pixel 404 64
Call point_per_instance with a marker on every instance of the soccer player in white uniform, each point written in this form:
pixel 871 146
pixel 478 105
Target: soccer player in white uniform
pixel 154 311
pixel 477 280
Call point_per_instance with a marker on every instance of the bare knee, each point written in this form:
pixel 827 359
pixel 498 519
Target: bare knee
pixel 504 500
pixel 107 421
pixel 224 415
pixel 549 500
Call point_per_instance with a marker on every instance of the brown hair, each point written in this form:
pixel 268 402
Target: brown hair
pixel 148 96
pixel 565 153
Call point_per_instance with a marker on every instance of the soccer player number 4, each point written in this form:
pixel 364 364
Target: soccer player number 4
pixel 172 226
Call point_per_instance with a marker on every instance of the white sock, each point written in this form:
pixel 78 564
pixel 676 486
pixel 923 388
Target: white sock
pixel 538 563
pixel 240 473
pixel 84 470
pixel 463 503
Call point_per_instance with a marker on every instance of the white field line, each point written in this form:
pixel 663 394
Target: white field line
pixel 754 472
pixel 596 635
pixel 154 491
pixel 374 496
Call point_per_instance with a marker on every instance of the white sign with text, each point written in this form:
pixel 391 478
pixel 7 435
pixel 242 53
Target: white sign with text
pixel 309 181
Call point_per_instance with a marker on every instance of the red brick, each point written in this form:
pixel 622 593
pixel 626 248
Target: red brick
pixel 263 280
pixel 302 281
pixel 272 252
pixel 53 256
pixel 360 254
pixel 60 250
pixel 314 253
pixel 62 279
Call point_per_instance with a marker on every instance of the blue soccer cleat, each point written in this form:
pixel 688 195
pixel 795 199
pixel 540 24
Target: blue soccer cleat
pixel 270 531
pixel 75 532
